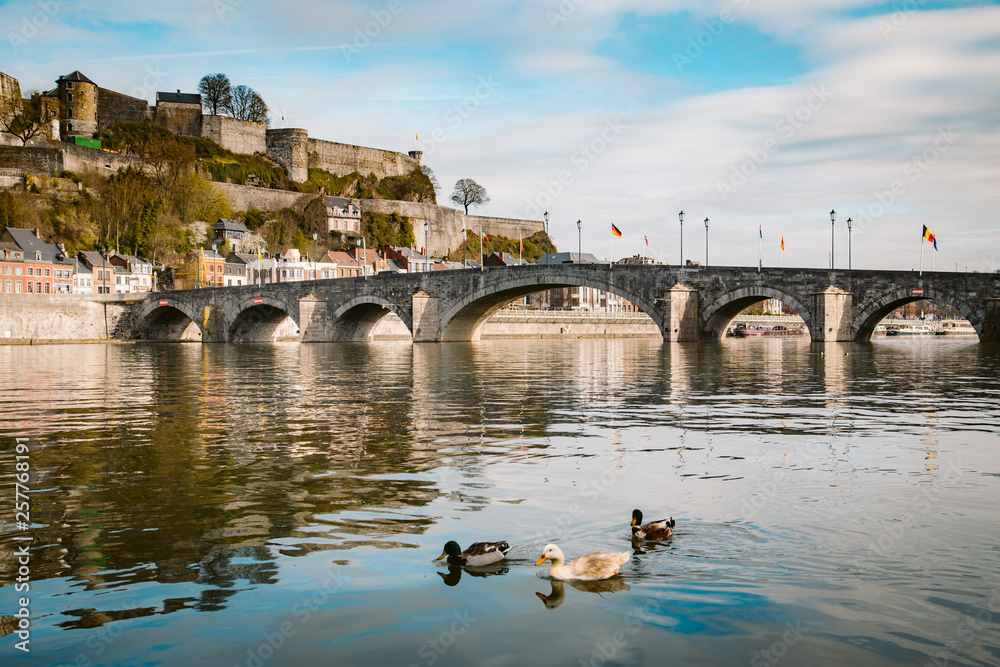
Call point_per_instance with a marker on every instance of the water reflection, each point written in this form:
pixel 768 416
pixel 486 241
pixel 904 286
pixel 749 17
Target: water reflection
pixel 836 481
pixel 455 572
pixel 557 595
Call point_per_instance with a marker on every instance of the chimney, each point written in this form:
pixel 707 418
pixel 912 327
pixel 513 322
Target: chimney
pixel 178 91
pixel 36 233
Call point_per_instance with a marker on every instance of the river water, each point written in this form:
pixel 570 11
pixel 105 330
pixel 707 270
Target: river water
pixel 282 504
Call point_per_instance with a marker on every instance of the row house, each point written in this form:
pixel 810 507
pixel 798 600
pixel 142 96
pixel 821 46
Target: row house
pixel 102 271
pixel 136 274
pixel 29 265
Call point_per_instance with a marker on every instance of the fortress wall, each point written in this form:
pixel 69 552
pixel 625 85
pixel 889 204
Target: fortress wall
pixel 290 148
pixel 245 197
pixel 30 160
pixel 445 229
pixel 342 159
pixel 239 136
pixel 183 119
pixel 113 107
pixel 81 158
pixel 10 90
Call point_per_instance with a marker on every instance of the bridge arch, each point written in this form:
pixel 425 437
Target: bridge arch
pixel 256 319
pixel 168 319
pixel 875 310
pixel 716 316
pixel 356 319
pixel 464 319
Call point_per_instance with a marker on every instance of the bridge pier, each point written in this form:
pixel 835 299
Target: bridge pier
pixel 991 322
pixel 213 325
pixel 426 318
pixel 313 319
pixel 680 308
pixel 832 316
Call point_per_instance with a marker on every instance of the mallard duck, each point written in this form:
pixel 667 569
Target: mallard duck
pixel 591 567
pixel 654 530
pixel 480 553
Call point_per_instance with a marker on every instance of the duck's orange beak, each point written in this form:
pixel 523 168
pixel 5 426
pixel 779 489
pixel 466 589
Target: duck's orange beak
pixel 443 554
pixel 634 521
pixel 541 560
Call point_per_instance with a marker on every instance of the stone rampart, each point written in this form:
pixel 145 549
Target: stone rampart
pixel 290 148
pixel 81 158
pixel 184 119
pixel 114 107
pixel 446 224
pixel 31 160
pixel 10 99
pixel 239 136
pixel 245 197
pixel 342 159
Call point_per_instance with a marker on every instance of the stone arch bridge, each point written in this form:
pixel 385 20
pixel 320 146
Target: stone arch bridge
pixel 686 303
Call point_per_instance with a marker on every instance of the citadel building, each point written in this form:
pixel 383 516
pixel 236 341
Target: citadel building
pixel 81 108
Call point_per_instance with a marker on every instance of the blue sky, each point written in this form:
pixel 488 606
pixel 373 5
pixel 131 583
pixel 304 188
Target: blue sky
pixel 748 112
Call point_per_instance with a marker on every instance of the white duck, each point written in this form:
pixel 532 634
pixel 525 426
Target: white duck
pixel 591 567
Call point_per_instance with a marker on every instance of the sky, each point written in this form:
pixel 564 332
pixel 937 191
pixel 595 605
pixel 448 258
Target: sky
pixel 759 115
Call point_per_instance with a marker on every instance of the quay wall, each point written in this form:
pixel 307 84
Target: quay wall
pixel 26 318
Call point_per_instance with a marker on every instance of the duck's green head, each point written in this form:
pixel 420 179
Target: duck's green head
pixel 451 548
pixel 636 517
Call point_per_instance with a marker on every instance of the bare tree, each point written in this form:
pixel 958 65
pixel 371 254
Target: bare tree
pixel 216 92
pixel 469 193
pixel 247 104
pixel 24 118
pixel 429 173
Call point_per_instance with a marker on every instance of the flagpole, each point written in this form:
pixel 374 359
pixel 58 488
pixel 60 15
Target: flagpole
pixel 921 255
pixel 480 247
pixel 932 255
pixel 781 252
pixel 760 241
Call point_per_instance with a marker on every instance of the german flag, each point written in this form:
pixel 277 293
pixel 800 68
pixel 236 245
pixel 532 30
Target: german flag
pixel 617 232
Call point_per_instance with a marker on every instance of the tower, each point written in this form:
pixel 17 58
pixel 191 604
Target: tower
pixel 77 105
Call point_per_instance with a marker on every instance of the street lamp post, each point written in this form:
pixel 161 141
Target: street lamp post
pixel 833 228
pixel 427 245
pixel 546 216
pixel 681 217
pixel 849 223
pixel 579 241
pixel 706 241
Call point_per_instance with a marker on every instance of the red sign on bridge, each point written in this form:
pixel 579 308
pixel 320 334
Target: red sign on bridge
pixel 258 300
pixel 917 291
pixel 163 302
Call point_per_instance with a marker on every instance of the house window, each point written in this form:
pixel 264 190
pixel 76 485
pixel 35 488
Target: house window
pixel 31 271
pixel 38 287
pixel 8 286
pixel 17 270
pixel 46 273
pixel 8 271
pixel 69 127
pixel 69 113
pixel 69 97
pixel 48 287
pixel 30 287
pixel 17 286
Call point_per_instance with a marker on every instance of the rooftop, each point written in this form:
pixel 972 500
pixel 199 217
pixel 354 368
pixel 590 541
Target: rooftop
pixel 179 98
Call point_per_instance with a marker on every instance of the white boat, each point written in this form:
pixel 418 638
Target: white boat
pixel 908 330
